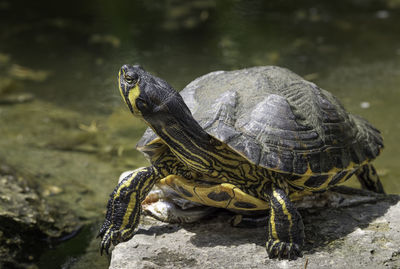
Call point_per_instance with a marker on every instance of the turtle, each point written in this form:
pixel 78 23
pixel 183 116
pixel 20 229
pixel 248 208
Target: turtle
pixel 248 140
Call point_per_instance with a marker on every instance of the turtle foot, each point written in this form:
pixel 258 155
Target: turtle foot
pixel 283 250
pixel 113 236
pixel 106 240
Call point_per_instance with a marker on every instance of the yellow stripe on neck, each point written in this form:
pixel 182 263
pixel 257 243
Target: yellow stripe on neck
pixel 119 84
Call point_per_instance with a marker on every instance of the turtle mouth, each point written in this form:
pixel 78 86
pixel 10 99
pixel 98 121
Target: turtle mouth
pixel 121 85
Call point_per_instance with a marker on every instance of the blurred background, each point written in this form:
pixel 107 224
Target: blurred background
pixel 65 135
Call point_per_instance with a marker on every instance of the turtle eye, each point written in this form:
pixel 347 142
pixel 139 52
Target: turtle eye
pixel 131 78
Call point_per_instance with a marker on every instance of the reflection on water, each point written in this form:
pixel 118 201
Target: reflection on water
pixel 67 55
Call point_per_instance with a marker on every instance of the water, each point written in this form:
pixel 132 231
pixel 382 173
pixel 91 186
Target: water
pixel 351 48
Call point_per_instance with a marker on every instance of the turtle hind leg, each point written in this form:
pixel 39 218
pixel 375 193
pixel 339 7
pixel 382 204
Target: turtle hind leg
pixel 369 179
pixel 285 226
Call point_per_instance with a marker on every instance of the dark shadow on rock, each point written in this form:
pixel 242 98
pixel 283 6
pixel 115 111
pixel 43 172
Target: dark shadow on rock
pixel 217 231
pixel 322 225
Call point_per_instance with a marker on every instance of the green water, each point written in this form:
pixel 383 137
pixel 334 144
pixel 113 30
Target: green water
pixel 76 128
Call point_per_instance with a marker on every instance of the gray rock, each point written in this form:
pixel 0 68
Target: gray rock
pixel 362 234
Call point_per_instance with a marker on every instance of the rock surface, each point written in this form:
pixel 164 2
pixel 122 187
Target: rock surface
pixel 27 222
pixel 364 234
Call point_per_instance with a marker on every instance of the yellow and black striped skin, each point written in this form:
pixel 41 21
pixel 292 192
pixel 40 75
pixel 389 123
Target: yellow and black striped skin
pixel 184 149
pixel 123 209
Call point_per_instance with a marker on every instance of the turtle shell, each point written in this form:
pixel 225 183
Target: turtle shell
pixel 279 121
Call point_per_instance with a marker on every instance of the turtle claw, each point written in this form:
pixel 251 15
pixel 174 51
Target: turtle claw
pixel 111 237
pixel 105 233
pixel 105 245
pixel 114 237
pixel 106 240
pixel 283 250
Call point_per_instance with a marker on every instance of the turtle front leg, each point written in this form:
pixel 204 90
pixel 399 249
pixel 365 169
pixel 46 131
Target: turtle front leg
pixel 124 207
pixel 285 227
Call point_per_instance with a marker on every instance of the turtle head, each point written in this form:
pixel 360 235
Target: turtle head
pixel 133 83
pixel 157 103
pixel 145 94
pixel 151 98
